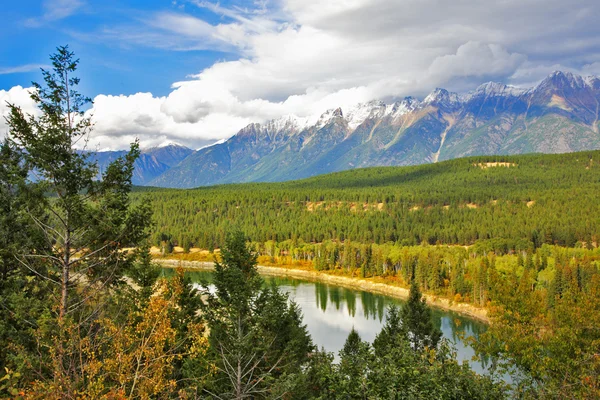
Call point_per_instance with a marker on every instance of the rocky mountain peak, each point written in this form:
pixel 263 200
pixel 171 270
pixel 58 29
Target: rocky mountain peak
pixel 329 115
pixel 170 145
pixel 497 89
pixel 285 125
pixel 592 81
pixel 559 80
pixel 398 108
pixel 361 112
pixel 442 97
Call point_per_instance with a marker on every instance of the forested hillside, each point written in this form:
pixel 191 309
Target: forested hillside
pixel 515 200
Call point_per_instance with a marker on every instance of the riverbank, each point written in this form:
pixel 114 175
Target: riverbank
pixel 366 284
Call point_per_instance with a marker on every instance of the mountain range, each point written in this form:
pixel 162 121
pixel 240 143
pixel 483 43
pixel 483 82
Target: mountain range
pixel 558 115
pixel 151 163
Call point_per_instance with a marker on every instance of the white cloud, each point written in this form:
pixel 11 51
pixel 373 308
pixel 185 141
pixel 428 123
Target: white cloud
pixel 182 24
pixel 306 56
pixel 21 68
pixel 55 10
pixel 120 119
pixel 475 59
pixel 18 96
pixel 592 69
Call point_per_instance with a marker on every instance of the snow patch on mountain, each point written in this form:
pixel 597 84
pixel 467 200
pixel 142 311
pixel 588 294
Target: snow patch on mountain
pixel 493 89
pixel 286 123
pixel 400 108
pixel 328 116
pixel 363 111
pixel 168 143
pixel 442 97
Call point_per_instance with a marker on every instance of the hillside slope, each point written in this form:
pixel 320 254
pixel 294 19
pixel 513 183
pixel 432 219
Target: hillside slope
pixel 517 199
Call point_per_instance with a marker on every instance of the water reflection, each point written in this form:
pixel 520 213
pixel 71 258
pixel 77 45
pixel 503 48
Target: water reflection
pixel 330 312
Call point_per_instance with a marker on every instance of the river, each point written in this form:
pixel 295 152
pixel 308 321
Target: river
pixel 331 311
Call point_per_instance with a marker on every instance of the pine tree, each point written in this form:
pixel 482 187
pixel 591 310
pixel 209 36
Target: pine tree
pixel 253 333
pixel 23 294
pixel 85 222
pixel 82 236
pixel 144 273
pixel 417 320
pixel 354 361
pixel 392 333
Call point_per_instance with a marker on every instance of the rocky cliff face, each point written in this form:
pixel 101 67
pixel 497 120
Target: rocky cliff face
pixel 558 115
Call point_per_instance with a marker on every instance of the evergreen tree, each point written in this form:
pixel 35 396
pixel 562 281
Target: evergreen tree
pixel 23 295
pixel 417 320
pixel 256 335
pixel 392 333
pixel 85 222
pixel 354 361
pixel 144 273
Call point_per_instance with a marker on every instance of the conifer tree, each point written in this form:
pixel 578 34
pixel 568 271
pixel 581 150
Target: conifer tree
pixel 88 220
pixel 255 334
pixel 23 297
pixel 417 320
pixel 392 333
pixel 354 361
pixel 85 221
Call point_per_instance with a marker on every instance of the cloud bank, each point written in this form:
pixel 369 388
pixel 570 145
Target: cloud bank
pixel 303 57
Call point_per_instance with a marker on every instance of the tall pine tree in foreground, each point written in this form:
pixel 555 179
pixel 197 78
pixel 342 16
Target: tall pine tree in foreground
pixel 84 224
pixel 256 334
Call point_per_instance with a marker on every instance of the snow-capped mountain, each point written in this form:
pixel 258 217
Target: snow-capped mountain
pixel 560 114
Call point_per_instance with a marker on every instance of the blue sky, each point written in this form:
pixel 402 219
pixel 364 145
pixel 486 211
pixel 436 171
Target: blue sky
pixel 197 71
pixel 28 35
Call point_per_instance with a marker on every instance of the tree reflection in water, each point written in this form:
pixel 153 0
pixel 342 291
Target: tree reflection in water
pixel 330 312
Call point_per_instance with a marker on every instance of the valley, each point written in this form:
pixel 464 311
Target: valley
pixel 510 239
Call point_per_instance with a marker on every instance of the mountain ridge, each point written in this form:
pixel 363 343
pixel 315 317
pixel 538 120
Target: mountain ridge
pixel 151 163
pixel 558 115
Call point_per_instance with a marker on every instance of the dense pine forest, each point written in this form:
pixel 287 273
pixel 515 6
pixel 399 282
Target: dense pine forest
pixel 509 201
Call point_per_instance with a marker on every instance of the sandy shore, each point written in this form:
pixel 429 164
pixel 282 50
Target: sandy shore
pixel 344 281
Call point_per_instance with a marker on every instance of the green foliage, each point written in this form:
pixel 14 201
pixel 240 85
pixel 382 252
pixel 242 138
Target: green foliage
pixel 353 368
pixel 63 236
pixel 417 322
pixel 393 333
pixel 256 335
pixel 236 279
pixel 547 199
pixel 144 274
pixel 85 222
pixel 393 368
pixel 550 337
pixel 403 373
pixel 22 293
